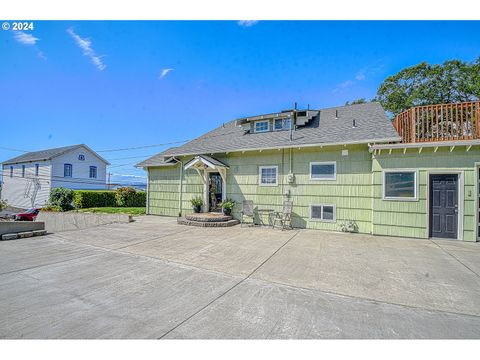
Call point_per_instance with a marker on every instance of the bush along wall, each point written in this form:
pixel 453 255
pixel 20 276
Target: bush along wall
pixel 83 199
pixel 122 197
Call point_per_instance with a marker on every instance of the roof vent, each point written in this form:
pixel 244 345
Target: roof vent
pixel 336 114
pixel 354 125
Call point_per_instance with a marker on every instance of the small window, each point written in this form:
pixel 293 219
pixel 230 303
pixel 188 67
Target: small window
pixel 262 126
pixel 282 124
pixel 67 170
pixel 93 172
pixel 11 171
pixel 323 170
pixel 23 170
pixel 37 167
pixel 400 185
pixel 325 213
pixel 81 157
pixel 268 175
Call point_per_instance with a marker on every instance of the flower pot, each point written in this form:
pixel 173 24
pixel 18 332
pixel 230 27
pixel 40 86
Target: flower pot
pixel 226 212
pixel 196 209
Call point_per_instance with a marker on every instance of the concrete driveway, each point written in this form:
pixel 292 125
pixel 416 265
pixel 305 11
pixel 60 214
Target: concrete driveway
pixel 156 279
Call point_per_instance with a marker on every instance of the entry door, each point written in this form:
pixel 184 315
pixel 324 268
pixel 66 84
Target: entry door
pixel 215 192
pixel 444 206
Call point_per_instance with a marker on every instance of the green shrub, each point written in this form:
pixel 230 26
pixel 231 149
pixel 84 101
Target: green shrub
pixel 93 198
pixel 128 197
pixel 52 208
pixel 3 204
pixel 61 197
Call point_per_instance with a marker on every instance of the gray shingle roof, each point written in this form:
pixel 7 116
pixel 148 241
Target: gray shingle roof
pixel 47 154
pixel 371 126
pixel 159 159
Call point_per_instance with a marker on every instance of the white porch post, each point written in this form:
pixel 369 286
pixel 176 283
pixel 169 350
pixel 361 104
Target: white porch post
pixel 223 174
pixel 204 178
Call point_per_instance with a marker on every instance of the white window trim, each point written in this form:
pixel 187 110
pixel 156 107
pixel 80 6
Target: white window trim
pixel 334 163
pixel 389 198
pixel 258 122
pixel 321 214
pixel 260 168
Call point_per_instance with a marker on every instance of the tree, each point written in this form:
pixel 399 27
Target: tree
pixel 358 101
pixel 425 84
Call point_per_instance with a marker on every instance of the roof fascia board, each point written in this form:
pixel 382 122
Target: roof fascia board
pixel 299 146
pixel 425 144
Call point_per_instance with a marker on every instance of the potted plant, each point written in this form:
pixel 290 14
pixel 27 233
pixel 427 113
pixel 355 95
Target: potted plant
pixel 197 204
pixel 227 206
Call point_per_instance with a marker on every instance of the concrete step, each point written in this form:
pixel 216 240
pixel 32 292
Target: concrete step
pixel 228 223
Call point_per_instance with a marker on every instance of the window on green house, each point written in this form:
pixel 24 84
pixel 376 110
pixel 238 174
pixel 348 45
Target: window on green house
pixel 323 170
pixel 323 212
pixel 400 185
pixel 282 124
pixel 262 126
pixel 268 175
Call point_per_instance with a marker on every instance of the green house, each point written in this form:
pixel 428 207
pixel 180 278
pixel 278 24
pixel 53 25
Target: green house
pixel 344 168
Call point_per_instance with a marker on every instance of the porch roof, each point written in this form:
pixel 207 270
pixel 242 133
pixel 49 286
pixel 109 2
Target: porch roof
pixel 205 162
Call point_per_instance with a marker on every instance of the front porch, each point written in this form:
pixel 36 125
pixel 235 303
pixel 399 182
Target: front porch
pixel 209 219
pixel 213 174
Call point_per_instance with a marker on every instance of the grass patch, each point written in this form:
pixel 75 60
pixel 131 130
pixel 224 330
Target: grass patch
pixel 116 210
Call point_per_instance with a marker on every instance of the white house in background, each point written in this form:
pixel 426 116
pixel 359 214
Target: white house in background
pixel 28 178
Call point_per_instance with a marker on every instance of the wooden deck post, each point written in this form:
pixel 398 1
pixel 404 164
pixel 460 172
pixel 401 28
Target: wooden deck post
pixel 412 126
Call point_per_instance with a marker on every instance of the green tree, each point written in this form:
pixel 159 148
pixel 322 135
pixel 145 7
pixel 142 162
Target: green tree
pixel 358 101
pixel 425 84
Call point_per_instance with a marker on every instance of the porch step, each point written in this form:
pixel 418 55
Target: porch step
pixel 223 223
pixel 208 217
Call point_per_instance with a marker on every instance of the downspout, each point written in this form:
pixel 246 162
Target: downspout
pixel 148 191
pixel 180 185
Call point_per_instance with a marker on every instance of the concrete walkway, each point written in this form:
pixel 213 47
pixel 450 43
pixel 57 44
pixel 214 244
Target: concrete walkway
pixel 156 279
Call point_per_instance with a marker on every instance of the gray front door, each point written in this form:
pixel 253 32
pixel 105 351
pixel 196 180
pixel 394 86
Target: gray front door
pixel 444 206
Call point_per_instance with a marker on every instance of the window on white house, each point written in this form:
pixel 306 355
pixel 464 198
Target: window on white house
pixel 400 185
pixel 81 157
pixel 268 175
pixel 323 170
pixel 23 170
pixel 323 212
pixel 262 126
pixel 281 124
pixel 93 172
pixel 36 169
pixel 11 171
pixel 67 170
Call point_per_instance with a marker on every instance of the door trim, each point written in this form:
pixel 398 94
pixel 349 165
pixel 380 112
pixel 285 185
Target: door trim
pixel 460 197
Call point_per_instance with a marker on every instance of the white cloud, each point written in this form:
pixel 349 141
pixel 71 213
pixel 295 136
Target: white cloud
pixel 247 23
pixel 164 73
pixel 360 75
pixel 29 40
pixel 86 46
pixel 24 38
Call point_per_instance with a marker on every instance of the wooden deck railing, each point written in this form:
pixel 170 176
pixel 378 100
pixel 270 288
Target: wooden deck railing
pixel 442 122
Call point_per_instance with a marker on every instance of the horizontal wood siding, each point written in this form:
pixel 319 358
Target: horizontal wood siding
pixel 350 192
pixel 409 218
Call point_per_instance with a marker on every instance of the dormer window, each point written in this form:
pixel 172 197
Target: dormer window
pixel 262 126
pixel 282 124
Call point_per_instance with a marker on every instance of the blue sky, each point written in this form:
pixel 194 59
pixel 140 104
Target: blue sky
pixel 120 84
